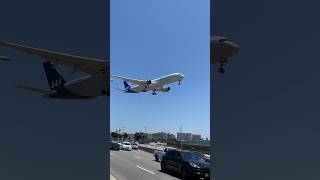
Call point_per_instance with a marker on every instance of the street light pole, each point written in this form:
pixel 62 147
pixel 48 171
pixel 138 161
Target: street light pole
pixel 181 136
pixel 145 134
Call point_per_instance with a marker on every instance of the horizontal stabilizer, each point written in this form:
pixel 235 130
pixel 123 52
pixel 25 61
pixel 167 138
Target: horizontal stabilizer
pixel 4 58
pixel 36 90
pixel 123 90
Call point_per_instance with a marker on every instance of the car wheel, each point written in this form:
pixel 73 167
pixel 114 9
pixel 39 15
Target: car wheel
pixel 185 173
pixel 163 167
pixel 157 158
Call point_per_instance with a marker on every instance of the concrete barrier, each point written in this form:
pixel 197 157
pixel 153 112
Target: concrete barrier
pixel 203 149
pixel 146 148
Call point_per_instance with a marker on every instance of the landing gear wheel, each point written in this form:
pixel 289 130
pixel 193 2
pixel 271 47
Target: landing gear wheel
pixel 154 92
pixel 185 174
pixel 221 69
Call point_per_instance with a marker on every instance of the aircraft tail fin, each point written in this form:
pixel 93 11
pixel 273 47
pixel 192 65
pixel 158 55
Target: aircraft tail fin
pixel 36 90
pixel 55 80
pixel 126 85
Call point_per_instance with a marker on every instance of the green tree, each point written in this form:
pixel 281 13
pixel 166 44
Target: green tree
pixel 114 135
pixel 137 136
pixel 124 135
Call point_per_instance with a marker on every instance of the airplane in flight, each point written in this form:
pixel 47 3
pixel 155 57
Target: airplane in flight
pixel 95 83
pixel 221 49
pixel 156 85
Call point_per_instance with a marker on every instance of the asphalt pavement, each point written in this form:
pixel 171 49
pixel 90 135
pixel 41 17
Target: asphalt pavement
pixel 136 165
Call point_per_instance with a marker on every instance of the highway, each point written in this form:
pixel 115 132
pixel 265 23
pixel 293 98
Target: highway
pixel 136 165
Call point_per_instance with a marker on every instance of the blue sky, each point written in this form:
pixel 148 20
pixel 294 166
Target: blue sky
pixel 153 38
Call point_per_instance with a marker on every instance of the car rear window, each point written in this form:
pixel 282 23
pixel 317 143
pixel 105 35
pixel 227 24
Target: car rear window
pixel 193 156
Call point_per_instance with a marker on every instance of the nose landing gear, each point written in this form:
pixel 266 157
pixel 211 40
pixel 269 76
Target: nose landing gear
pixel 221 69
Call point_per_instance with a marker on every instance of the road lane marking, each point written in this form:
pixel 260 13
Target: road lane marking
pixel 146 170
pixel 137 157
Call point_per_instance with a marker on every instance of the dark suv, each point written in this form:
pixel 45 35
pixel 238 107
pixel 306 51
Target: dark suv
pixel 114 146
pixel 189 164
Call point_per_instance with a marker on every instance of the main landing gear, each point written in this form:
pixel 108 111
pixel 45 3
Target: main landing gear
pixel 179 83
pixel 154 92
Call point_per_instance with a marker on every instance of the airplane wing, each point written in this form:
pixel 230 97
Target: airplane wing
pixel 37 90
pixel 134 81
pixel 88 65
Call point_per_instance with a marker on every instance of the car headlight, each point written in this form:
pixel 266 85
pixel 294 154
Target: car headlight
pixel 193 165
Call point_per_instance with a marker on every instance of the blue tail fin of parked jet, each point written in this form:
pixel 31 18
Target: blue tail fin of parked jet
pixel 126 85
pixel 55 80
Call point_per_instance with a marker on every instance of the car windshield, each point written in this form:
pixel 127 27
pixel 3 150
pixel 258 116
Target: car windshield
pixel 193 156
pixel 135 144
pixel 126 143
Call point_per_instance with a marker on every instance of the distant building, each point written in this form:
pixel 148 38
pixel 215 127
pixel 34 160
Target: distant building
pixel 188 136
pixel 162 136
pixel 184 136
pixel 196 137
pixel 149 136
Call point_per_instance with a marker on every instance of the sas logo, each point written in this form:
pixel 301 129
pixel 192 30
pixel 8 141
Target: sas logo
pixel 56 83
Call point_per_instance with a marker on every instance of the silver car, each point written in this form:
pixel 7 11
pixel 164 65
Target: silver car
pixel 135 146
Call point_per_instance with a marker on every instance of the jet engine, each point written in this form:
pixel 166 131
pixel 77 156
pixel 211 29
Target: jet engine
pixel 165 89
pixel 148 82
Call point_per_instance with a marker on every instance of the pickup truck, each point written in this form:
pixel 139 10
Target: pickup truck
pixel 158 153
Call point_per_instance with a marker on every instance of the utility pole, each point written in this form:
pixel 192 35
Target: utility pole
pixel 180 136
pixel 165 137
pixel 145 135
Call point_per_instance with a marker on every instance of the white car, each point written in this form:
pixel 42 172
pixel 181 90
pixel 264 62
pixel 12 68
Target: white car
pixel 135 146
pixel 126 146
pixel 120 145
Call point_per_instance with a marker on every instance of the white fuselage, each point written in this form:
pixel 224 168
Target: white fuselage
pixel 90 86
pixel 159 83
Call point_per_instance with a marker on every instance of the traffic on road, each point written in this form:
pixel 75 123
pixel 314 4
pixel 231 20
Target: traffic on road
pixel 128 162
